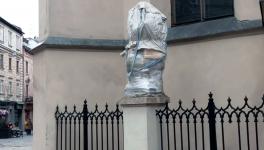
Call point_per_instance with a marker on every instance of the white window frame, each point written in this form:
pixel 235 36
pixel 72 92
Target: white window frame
pixel 10 38
pixel 18 42
pixel 18 92
pixel 1 86
pixel 10 88
pixel 2 28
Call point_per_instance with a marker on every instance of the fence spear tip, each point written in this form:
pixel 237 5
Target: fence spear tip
pixel 180 101
pixel 57 108
pixel 246 98
pixel 211 95
pixel 229 99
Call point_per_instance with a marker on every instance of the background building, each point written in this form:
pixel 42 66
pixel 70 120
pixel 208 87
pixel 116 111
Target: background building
pixel 28 44
pixel 11 71
pixel 216 48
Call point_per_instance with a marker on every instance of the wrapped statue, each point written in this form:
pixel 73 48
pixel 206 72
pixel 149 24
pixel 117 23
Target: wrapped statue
pixel 145 54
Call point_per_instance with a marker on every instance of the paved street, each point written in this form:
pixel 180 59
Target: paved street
pixel 24 143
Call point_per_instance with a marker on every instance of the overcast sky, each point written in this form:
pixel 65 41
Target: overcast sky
pixel 22 13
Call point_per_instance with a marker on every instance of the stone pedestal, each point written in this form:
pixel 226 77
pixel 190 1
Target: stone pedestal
pixel 141 126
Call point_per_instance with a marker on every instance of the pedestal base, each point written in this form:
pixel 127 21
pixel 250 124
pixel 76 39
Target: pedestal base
pixel 141 126
pixel 156 100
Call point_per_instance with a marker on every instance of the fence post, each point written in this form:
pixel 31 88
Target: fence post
pixel 212 128
pixel 85 123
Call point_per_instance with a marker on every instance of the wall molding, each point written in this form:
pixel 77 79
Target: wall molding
pixel 198 30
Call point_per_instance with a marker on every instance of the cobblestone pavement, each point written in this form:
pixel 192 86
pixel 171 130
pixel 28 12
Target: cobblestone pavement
pixel 23 143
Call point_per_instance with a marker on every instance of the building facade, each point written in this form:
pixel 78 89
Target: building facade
pixel 28 44
pixel 213 46
pixel 11 71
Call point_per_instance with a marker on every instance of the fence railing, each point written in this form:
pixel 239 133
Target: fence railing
pixel 181 128
pixel 89 130
pixel 212 127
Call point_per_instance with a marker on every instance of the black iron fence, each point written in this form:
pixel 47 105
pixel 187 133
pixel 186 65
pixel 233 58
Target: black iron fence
pixel 194 128
pixel 89 130
pixel 212 127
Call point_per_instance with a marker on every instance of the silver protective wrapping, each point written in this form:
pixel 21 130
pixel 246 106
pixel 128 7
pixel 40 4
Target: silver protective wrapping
pixel 146 51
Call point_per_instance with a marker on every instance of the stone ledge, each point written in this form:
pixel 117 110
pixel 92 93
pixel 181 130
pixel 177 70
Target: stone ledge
pixel 198 30
pixel 74 43
pixel 153 100
pixel 211 28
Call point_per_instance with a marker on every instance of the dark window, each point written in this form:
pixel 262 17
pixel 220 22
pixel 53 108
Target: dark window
pixel 26 90
pixel 218 8
pixel 27 67
pixel 10 64
pixel 17 66
pixel 1 61
pixel 10 88
pixel 187 11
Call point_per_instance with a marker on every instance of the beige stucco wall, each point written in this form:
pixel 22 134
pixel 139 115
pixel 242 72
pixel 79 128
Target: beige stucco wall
pixel 100 20
pixel 40 140
pixel 228 66
pixel 82 19
pixel 43 19
pixel 247 9
pixel 225 65
pixel 89 19
pixel 67 78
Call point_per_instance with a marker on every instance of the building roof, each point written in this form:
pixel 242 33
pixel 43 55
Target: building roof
pixel 14 27
pixel 29 44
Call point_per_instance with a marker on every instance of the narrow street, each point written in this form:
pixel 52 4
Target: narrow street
pixel 23 143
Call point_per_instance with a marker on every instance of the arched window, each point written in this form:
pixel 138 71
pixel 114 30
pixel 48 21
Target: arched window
pixel 187 11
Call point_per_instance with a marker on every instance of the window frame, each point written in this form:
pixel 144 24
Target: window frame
pixel 18 43
pixel 18 92
pixel 17 66
pixel 2 61
pixel 2 91
pixel 27 89
pixel 10 88
pixel 10 64
pixel 203 14
pixel 10 39
pixel 26 67
pixel 3 29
